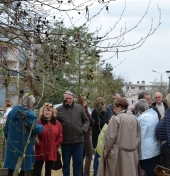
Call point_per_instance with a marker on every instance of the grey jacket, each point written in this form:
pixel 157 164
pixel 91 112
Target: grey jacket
pixel 74 122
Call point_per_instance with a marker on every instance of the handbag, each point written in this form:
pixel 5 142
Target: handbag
pixel 141 172
pixel 57 164
pixel 161 171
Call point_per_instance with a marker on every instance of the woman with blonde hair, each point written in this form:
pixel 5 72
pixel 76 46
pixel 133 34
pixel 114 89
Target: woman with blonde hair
pixel 49 140
pixel 101 115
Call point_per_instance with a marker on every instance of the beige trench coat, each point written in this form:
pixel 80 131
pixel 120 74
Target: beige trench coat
pixel 122 146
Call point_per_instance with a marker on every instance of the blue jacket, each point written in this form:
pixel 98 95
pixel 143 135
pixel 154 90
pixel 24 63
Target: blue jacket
pixel 163 128
pixel 16 132
pixel 150 146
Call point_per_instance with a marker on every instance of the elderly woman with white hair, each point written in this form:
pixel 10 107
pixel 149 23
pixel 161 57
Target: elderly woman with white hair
pixel 150 146
pixel 16 131
pixel 163 134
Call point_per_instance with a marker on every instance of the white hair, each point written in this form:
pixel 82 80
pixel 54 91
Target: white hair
pixel 27 99
pixel 159 94
pixel 69 93
pixel 142 105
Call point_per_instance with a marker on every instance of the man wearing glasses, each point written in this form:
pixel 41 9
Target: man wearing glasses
pixel 75 124
pixel 161 105
pixel 114 98
pixel 146 96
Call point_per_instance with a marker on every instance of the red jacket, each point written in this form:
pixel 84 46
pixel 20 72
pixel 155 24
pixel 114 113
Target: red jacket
pixel 49 140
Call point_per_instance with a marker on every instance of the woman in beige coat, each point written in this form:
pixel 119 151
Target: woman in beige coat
pixel 122 143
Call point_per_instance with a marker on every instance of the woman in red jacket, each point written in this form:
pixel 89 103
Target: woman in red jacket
pixel 49 140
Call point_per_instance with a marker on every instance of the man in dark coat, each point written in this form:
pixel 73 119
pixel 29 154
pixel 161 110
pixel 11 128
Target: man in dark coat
pixel 114 98
pixel 75 124
pixel 146 96
pixel 161 105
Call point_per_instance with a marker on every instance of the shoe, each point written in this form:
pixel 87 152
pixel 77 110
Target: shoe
pixel 95 175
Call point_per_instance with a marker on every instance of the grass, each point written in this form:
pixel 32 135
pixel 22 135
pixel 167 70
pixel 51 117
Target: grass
pixel 59 172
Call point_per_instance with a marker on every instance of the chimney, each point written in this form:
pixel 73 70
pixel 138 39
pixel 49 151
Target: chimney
pixel 129 82
pixel 143 82
pixel 138 82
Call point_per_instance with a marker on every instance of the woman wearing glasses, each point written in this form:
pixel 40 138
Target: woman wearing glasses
pixel 49 140
pixel 121 149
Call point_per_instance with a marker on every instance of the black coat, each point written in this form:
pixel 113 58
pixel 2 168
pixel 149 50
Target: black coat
pixel 156 109
pixel 165 105
pixel 103 117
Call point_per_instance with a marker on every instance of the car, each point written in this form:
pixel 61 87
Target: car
pixel 57 105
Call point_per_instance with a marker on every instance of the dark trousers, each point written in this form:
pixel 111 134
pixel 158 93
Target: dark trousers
pixel 38 167
pixel 10 173
pixel 88 155
pixel 76 152
pixel 165 155
pixel 148 165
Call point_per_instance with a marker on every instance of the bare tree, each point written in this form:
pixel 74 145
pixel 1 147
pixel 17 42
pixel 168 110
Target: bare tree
pixel 26 26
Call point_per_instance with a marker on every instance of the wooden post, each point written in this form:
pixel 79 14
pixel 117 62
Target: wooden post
pixel 20 159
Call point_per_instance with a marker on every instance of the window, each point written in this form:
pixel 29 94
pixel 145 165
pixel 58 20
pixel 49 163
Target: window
pixel 132 101
pixel 132 87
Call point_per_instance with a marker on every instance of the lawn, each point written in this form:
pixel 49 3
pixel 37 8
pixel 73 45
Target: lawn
pixel 59 172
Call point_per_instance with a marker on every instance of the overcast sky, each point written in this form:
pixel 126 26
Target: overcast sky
pixel 154 54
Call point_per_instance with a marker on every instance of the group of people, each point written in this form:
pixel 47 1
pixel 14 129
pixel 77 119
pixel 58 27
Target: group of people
pixel 138 136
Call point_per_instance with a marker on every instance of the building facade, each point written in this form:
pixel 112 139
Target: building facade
pixel 132 90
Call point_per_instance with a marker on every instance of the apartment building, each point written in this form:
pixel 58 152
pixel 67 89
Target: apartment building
pixel 132 90
pixel 9 55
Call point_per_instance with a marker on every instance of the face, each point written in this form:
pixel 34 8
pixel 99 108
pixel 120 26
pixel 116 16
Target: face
pixel 158 98
pixel 104 106
pixel 148 99
pixel 48 113
pixel 84 103
pixel 68 99
pixel 115 97
pixel 116 109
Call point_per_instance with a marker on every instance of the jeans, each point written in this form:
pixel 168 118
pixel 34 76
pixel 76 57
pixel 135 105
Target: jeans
pixel 88 155
pixel 96 163
pixel 76 152
pixel 38 167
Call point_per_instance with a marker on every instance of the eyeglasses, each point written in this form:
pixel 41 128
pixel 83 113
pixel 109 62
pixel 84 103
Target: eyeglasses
pixel 157 97
pixel 48 104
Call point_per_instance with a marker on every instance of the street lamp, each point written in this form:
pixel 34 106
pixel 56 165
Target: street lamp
pixel 161 74
pixel 168 73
